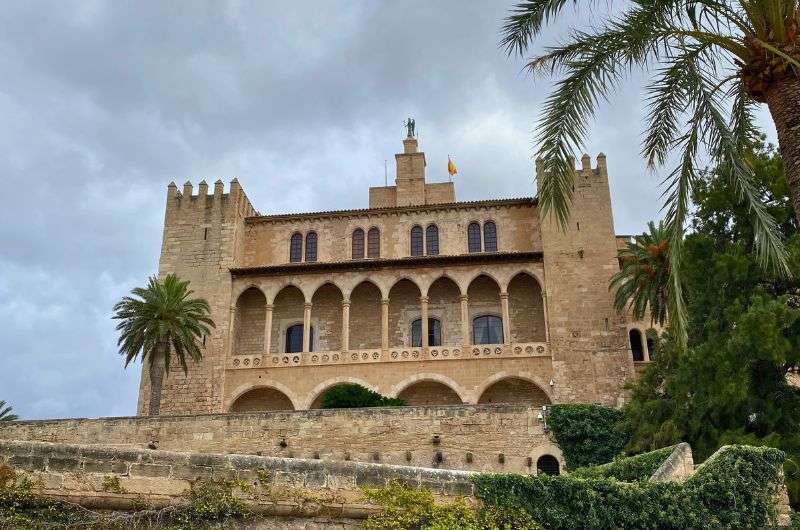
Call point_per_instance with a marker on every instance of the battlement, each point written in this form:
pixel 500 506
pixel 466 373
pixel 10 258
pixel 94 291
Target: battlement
pixel 585 169
pixel 185 199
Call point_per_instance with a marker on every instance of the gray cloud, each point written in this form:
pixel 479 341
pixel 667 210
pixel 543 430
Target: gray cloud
pixel 103 103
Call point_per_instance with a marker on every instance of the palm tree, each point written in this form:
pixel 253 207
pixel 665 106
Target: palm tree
pixel 642 282
pixel 7 412
pixel 162 320
pixel 711 63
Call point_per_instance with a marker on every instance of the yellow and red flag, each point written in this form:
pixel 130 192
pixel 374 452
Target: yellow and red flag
pixel 451 166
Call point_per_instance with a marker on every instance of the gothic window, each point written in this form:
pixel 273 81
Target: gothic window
pixel 432 240
pixel 487 329
pixel 474 237
pixel 374 243
pixel 294 339
pixel 296 248
pixel 434 333
pixel 637 349
pixel 548 465
pixel 311 246
pixel 358 243
pixel 489 237
pixel 416 241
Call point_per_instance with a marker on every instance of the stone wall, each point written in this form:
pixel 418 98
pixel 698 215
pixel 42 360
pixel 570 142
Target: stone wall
pixel 470 437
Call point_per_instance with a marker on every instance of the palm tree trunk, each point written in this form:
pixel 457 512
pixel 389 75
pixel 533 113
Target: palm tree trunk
pixel 783 100
pixel 156 380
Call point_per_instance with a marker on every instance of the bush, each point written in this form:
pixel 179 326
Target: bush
pixel 735 489
pixel 351 395
pixel 630 469
pixel 588 434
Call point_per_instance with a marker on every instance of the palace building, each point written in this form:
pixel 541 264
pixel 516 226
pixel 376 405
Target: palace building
pixel 418 296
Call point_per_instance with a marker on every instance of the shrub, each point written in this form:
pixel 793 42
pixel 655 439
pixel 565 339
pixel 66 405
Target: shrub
pixel 351 395
pixel 588 434
pixel 630 469
pixel 735 489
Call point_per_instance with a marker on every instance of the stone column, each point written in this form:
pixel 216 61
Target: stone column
pixel 231 338
pixel 466 336
pixel 385 324
pixel 307 327
pixel 345 325
pixel 506 318
pixel 423 313
pixel 268 329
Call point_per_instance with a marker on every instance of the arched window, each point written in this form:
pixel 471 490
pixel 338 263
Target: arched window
pixel 548 465
pixel 474 237
pixel 432 240
pixel 311 246
pixel 650 337
pixel 374 243
pixel 489 237
pixel 296 248
pixel 487 329
pixel 358 243
pixel 434 332
pixel 635 337
pixel 416 240
pixel 294 339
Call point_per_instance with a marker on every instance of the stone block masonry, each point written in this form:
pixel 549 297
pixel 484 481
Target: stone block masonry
pixel 471 437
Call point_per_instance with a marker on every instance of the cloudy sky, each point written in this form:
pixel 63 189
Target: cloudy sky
pixel 104 103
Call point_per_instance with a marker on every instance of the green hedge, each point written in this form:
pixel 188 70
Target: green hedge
pixel 351 395
pixel 588 435
pixel 630 469
pixel 734 489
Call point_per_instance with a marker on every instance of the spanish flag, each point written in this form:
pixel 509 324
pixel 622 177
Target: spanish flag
pixel 451 167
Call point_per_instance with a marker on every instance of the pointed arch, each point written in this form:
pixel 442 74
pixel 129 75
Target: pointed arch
pixel 249 321
pixel 527 315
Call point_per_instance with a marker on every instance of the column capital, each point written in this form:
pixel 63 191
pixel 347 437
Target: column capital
pixel 424 299
pixel 308 305
pixel 504 295
pixel 269 307
pixel 385 301
pixel 464 298
pixel 345 303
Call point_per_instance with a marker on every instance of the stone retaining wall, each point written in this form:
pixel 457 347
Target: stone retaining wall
pixel 470 437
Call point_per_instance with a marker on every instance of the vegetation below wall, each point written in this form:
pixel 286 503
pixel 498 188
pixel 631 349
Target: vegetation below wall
pixel 632 469
pixel 351 395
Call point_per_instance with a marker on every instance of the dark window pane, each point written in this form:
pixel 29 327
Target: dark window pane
pixel 487 329
pixel 489 237
pixel 548 465
pixel 358 244
pixel 474 237
pixel 296 248
pixel 416 241
pixel 432 240
pixel 374 243
pixel 434 333
pixel 294 339
pixel 636 344
pixel 311 246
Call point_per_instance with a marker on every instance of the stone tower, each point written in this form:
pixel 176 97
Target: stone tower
pixel 587 336
pixel 202 236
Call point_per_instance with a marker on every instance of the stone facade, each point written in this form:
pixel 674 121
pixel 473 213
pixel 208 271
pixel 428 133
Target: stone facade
pixel 418 296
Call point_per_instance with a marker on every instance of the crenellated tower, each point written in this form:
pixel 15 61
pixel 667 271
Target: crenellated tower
pixel 587 336
pixel 203 238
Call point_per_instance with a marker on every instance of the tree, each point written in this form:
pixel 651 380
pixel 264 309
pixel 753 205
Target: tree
pixel 729 385
pixel 7 412
pixel 351 395
pixel 643 280
pixel 711 63
pixel 156 322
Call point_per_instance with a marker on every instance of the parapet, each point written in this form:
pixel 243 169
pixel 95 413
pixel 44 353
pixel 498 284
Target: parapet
pixel 235 198
pixel 586 169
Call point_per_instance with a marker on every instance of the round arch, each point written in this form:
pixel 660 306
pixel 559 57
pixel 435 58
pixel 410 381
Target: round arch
pixel 397 389
pixel 243 390
pixel 317 392
pixel 525 376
